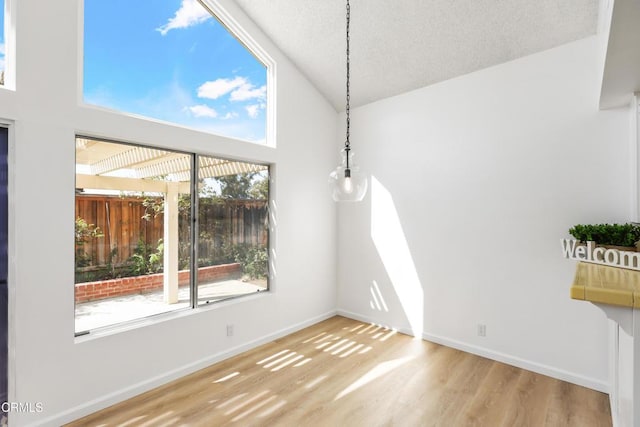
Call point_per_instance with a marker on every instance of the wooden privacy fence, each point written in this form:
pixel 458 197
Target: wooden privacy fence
pixel 125 223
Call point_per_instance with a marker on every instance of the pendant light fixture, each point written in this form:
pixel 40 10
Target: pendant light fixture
pixel 348 183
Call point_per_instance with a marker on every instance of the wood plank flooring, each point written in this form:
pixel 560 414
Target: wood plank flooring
pixel 342 372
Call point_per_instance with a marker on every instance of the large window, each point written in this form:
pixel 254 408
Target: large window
pixel 140 217
pixel 173 60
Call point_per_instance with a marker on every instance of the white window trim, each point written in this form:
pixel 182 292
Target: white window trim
pixel 234 27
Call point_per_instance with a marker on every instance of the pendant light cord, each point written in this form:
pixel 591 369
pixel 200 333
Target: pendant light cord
pixel 347 143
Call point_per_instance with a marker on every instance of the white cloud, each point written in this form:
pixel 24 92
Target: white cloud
pixel 203 111
pixel 247 91
pixel 229 116
pixel 216 88
pixel 190 13
pixel 253 110
pixel 239 87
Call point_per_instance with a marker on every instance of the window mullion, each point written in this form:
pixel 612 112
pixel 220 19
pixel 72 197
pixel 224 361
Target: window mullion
pixel 194 231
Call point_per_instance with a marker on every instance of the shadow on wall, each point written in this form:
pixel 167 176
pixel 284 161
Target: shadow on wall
pixel 390 242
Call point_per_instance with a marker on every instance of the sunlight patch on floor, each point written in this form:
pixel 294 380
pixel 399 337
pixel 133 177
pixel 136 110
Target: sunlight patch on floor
pixel 227 377
pixel 273 409
pixel 246 402
pixel 280 360
pixel 272 357
pixel 230 401
pixel 155 421
pixel 375 373
pixel 352 350
pixel 304 362
pixel 315 382
pixel 253 408
pixel 313 338
pixel 132 421
pixel 388 335
pixel 288 362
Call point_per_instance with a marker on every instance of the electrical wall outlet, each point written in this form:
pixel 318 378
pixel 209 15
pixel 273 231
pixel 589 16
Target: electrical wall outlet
pixel 482 330
pixel 230 330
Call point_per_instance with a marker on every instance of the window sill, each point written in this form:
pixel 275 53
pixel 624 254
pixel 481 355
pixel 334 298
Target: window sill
pixel 165 317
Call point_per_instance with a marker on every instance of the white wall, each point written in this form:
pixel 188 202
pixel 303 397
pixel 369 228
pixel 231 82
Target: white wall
pixel 74 378
pixel 475 181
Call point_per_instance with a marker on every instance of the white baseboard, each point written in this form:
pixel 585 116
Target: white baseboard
pixel 151 383
pixel 539 368
pixel 356 316
pixel 614 414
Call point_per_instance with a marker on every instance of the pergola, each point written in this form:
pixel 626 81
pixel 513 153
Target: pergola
pixel 102 165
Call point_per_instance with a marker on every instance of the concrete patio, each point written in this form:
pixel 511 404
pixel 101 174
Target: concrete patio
pixel 111 311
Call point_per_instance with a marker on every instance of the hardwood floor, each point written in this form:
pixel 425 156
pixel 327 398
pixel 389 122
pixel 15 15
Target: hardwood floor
pixel 342 372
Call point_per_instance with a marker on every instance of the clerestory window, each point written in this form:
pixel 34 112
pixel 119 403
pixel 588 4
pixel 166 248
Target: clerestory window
pixel 173 60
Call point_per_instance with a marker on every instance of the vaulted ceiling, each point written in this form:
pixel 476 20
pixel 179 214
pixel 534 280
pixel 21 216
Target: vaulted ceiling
pixel 401 45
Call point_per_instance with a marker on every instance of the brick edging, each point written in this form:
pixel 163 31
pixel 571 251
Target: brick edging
pixel 101 289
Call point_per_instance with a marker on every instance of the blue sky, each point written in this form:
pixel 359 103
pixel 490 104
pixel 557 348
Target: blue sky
pixel 1 35
pixel 172 61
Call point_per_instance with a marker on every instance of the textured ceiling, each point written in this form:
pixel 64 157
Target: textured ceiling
pixel 401 45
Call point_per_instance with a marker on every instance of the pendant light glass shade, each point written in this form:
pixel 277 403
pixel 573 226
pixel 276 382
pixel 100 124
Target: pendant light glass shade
pixel 348 183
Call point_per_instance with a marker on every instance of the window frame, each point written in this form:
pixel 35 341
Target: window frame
pixel 98 123
pixel 194 303
pixel 238 31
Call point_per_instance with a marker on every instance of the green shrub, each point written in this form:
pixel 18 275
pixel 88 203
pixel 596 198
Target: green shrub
pixel 253 259
pixel 256 263
pixel 84 232
pixel 146 259
pixel 607 234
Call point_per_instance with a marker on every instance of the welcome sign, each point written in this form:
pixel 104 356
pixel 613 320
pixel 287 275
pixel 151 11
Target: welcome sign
pixel 572 249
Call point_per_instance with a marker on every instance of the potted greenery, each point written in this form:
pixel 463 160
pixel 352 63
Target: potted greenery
pixel 617 236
